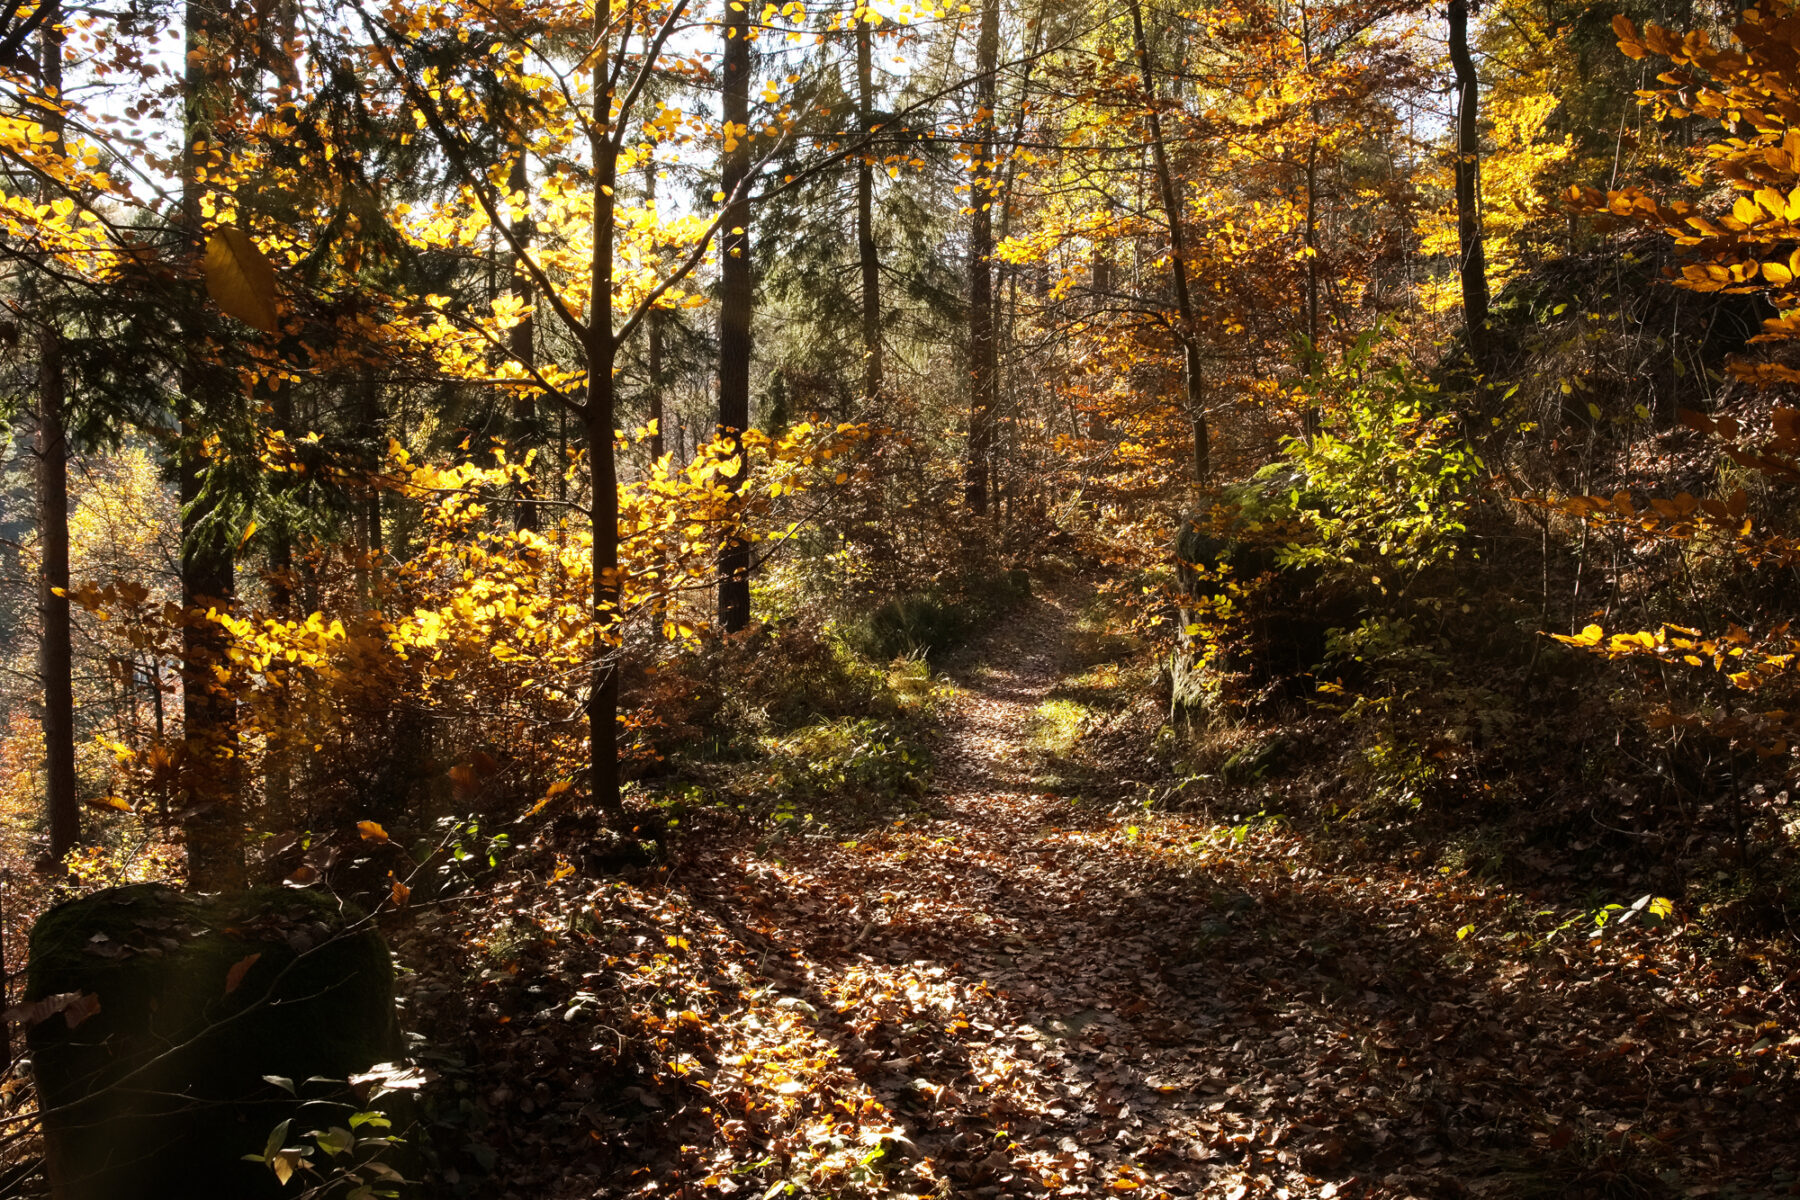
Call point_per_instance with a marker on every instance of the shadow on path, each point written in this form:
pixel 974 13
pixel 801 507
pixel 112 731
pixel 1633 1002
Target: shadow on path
pixel 1055 1002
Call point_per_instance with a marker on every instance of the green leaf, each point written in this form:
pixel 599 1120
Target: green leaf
pixel 335 1141
pixel 240 279
pixel 277 1136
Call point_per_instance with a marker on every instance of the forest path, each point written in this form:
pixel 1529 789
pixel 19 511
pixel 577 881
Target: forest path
pixel 1033 997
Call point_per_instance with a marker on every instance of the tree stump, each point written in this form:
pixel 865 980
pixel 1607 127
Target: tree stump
pixel 162 1015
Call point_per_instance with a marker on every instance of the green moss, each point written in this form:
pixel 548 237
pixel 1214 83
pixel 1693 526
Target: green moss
pixel 161 1092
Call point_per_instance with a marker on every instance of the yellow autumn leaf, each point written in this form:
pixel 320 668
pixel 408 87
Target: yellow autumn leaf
pixel 240 279
pixel 371 832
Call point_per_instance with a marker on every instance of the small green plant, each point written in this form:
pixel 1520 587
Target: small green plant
pixel 468 851
pixel 1649 910
pixel 343 1161
pixel 935 621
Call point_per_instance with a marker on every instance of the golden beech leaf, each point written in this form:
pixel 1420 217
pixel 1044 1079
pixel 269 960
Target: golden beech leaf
pixel 371 832
pixel 240 279
pixel 1628 36
pixel 400 894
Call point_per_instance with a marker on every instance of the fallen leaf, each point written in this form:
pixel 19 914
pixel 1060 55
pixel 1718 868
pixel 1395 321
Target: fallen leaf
pixel 239 969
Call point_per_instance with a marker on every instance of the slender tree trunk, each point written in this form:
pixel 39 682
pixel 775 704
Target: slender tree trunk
pixel 55 657
pixel 1003 467
pixel 277 747
pixel 982 351
pixel 653 336
pixel 55 661
pixel 600 350
pixel 212 820
pixel 368 403
pixel 1315 356
pixel 1186 330
pixel 520 346
pixel 1472 262
pixel 735 301
pixel 867 257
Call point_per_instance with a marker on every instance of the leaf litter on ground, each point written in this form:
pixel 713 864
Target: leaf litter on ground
pixel 1021 996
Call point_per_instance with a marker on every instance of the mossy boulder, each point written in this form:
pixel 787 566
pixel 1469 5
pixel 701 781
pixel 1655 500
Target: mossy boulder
pixel 159 1092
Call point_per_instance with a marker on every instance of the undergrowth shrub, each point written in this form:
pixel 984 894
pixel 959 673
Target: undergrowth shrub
pixel 937 620
pixel 769 679
pixel 1386 485
pixel 863 757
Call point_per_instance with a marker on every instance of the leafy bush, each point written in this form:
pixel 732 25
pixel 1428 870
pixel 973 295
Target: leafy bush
pixel 770 680
pixel 862 758
pixel 933 622
pixel 920 624
pixel 1386 484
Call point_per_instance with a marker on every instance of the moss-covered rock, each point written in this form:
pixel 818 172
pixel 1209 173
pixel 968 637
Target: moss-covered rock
pixel 160 1092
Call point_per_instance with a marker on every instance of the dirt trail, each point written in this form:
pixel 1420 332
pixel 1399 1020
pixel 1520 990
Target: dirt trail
pixel 1049 1001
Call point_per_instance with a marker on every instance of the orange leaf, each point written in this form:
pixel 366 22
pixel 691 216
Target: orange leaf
pixel 371 832
pixel 401 894
pixel 239 969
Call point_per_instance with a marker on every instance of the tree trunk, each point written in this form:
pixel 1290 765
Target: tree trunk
pixel 55 665
pixel 1187 330
pixel 867 256
pixel 653 336
pixel 600 348
pixel 982 351
pixel 55 657
pixel 735 301
pixel 519 344
pixel 1315 357
pixel 1472 261
pixel 212 817
pixel 277 749
pixel 1310 420
pixel 368 405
